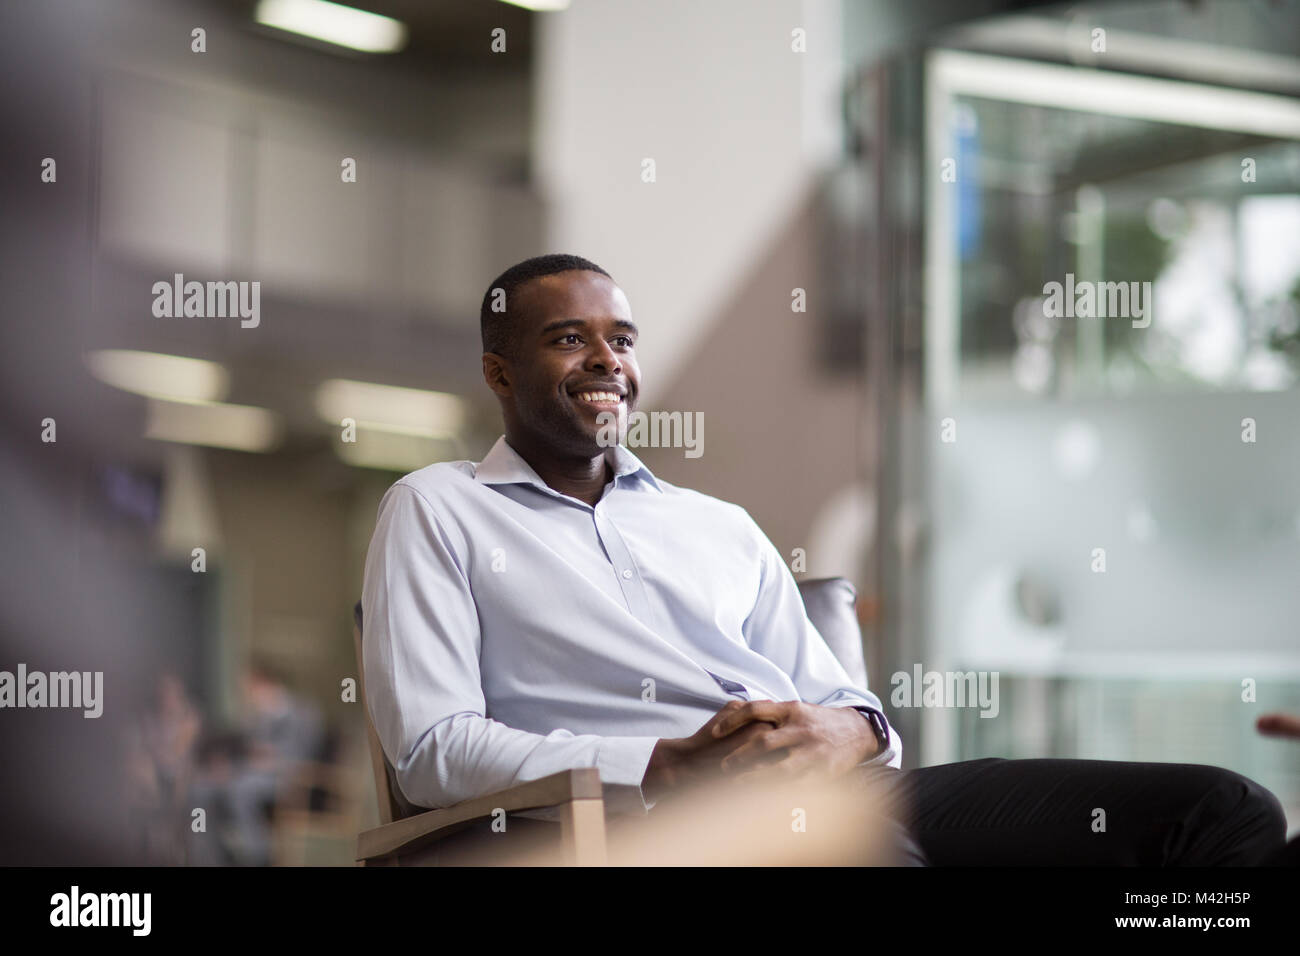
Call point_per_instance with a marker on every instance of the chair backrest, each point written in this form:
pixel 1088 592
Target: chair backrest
pixel 393 805
pixel 830 603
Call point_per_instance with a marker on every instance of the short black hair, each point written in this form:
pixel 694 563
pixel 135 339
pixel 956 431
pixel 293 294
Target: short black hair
pixel 496 327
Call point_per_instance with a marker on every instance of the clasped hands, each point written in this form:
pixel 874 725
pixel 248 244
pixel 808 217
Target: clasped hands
pixel 750 740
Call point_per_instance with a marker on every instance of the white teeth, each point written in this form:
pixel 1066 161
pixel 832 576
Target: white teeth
pixel 600 397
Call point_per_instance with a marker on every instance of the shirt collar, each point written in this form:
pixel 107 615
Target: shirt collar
pixel 503 466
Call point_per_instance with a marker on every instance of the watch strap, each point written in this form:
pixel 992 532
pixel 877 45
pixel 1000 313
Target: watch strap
pixel 879 725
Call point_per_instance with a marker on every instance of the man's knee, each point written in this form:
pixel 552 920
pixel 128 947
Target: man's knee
pixel 1261 805
pixel 1251 800
pixel 1247 814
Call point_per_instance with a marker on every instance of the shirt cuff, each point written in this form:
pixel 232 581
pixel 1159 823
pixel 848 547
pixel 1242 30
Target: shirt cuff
pixel 622 762
pixel 884 758
pixel 888 755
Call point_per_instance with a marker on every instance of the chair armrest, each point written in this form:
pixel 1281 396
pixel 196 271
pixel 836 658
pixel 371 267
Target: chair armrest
pixel 402 836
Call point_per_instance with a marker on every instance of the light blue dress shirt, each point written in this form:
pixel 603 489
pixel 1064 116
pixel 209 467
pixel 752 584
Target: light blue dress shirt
pixel 512 631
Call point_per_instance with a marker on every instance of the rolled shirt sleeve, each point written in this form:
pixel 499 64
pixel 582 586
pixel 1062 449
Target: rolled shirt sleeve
pixel 421 645
pixel 780 630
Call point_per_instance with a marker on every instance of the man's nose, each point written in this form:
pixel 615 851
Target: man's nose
pixel 603 357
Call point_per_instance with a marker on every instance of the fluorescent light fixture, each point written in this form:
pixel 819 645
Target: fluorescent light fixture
pixel 1114 94
pixel 392 451
pixel 333 23
pixel 539 5
pixel 403 411
pixel 1137 52
pixel 156 375
pixel 216 424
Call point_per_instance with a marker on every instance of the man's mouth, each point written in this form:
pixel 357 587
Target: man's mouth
pixel 609 400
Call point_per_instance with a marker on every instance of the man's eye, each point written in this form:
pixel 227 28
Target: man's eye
pixel 571 335
pixel 625 339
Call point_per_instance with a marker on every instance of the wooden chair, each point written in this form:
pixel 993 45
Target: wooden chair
pixel 410 835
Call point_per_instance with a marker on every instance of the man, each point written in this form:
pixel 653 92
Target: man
pixel 557 606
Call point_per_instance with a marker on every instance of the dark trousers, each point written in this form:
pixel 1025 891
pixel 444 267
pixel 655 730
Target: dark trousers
pixel 1056 812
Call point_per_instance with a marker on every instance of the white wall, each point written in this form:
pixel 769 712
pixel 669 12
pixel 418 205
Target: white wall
pixel 736 123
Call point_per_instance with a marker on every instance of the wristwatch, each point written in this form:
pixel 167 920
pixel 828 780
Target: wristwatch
pixel 878 724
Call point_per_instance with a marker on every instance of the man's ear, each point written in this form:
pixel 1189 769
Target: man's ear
pixel 496 373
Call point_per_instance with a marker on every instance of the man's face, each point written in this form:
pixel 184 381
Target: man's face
pixel 573 337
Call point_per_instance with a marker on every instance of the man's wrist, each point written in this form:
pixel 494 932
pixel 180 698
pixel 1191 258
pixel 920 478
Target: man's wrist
pixel 878 727
pixel 661 772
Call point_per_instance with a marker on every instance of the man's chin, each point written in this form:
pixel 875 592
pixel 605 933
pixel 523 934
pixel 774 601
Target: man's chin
pixel 585 440
pixel 602 441
pixel 609 436
pixel 604 429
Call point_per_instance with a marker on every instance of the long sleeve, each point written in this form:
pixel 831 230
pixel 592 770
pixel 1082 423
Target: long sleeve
pixel 779 629
pixel 421 644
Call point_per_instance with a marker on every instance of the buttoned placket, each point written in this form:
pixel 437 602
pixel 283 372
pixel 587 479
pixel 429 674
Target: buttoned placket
pixel 629 579
pixel 626 572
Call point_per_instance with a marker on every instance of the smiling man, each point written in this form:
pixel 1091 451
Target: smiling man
pixel 557 606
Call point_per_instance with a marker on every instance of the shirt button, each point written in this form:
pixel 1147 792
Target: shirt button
pixel 627 572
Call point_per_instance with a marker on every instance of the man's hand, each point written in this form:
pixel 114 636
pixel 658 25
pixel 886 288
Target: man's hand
pixel 686 761
pixel 1279 725
pixel 788 737
pixel 814 740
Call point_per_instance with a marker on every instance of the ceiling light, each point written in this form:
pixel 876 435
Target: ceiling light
pixel 241 427
pixel 156 375
pixel 390 451
pixel 333 23
pixel 539 5
pixel 404 411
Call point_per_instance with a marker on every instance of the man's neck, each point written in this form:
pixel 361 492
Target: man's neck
pixel 581 478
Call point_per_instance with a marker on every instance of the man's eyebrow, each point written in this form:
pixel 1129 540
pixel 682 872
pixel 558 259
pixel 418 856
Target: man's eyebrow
pixel 557 324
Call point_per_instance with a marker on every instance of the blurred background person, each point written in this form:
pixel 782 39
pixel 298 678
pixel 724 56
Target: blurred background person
pixel 283 728
pixel 161 751
pixel 244 771
pixel 169 734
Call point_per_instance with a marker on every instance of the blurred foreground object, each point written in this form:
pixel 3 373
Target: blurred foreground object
pixel 772 823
